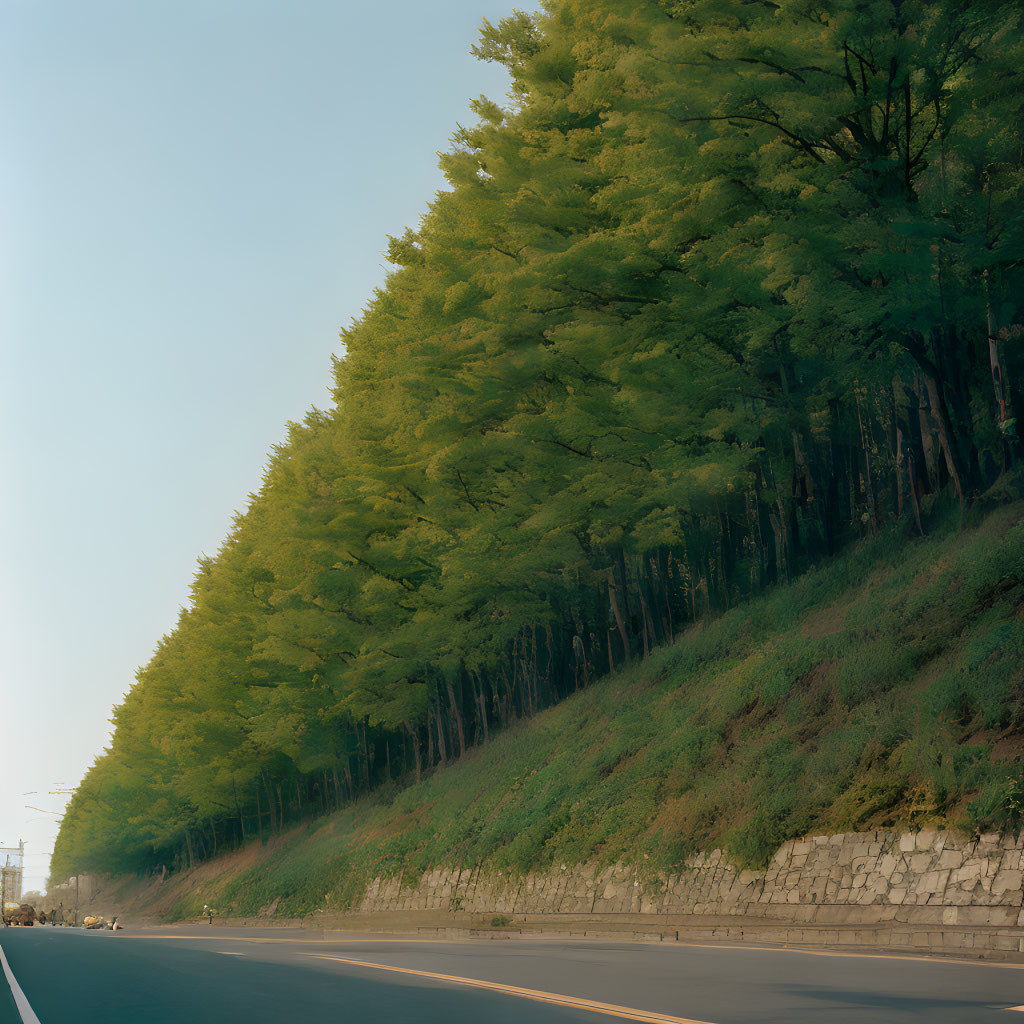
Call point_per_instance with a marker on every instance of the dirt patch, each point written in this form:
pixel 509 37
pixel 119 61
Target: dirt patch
pixel 825 621
pixel 270 909
pixel 1008 748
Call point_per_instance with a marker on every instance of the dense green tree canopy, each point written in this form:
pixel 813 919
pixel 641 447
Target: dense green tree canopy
pixel 721 287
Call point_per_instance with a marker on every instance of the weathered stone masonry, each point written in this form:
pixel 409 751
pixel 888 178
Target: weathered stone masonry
pixel 930 878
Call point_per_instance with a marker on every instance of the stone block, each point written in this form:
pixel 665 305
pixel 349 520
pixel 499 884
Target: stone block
pixel 1010 860
pixel 907 842
pixel 989 838
pixel 968 873
pixel 920 862
pixel 932 882
pixel 956 897
pixel 1007 881
pixel 886 865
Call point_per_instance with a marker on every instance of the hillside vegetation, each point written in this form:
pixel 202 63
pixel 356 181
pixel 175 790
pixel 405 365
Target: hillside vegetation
pixel 721 289
pixel 886 690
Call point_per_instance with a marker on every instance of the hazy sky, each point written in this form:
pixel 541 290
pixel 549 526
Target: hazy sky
pixel 194 197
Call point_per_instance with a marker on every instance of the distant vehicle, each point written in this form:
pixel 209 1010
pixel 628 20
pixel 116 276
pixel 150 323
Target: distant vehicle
pixel 21 915
pixel 98 923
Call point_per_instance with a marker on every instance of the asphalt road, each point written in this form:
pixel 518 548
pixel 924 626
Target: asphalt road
pixel 216 975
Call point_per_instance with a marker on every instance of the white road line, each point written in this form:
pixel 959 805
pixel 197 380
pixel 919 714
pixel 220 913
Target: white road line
pixel 28 1015
pixel 224 952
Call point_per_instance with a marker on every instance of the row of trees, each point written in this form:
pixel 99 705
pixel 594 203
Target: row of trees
pixel 722 287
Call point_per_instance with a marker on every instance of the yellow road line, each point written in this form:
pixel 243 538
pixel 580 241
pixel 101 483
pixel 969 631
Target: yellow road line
pixel 608 1009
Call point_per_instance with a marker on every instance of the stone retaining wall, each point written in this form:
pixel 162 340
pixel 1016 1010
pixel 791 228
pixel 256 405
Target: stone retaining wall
pixel 931 876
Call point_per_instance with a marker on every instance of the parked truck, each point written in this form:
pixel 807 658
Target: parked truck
pixel 22 915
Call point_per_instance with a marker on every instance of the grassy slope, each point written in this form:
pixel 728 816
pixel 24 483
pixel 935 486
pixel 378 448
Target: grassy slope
pixel 883 690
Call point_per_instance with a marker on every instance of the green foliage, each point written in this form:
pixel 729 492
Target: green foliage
pixel 707 302
pixel 652 765
pixel 1000 804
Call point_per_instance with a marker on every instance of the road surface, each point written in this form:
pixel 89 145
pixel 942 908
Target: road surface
pixel 241 977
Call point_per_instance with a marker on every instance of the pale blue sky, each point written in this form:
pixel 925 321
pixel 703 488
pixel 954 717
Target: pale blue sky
pixel 194 197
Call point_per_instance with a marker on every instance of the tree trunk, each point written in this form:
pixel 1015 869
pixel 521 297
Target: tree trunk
pixel 931 463
pixel 945 439
pixel 668 602
pixel 349 787
pixel 831 521
pixel 869 487
pixel 643 621
pixel 442 748
pixel 270 800
pixel 999 383
pixel 415 737
pixel 483 708
pixel 459 730
pixel 623 635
